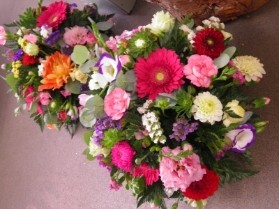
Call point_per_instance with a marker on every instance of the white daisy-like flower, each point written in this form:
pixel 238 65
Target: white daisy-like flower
pixel 207 108
pixel 250 67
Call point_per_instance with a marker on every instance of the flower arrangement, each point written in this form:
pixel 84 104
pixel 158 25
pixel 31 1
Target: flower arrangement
pixel 163 102
pixel 168 117
pixel 43 53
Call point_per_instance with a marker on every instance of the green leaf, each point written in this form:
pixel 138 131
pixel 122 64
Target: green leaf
pixel 87 137
pixel 222 60
pixel 121 81
pixel 230 51
pixel 50 118
pixel 73 87
pixel 12 82
pixel 111 137
pixel 80 54
pixel 199 204
pixel 174 206
pixel 96 104
pixel 103 26
pixel 87 118
pixel 86 67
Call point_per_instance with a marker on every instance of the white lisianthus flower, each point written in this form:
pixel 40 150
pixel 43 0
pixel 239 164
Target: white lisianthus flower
pixel 161 23
pixel 207 108
pixel 98 81
pixel 250 67
pixel 31 49
pixel 234 107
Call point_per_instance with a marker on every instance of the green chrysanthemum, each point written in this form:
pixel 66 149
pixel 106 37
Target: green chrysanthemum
pixel 142 44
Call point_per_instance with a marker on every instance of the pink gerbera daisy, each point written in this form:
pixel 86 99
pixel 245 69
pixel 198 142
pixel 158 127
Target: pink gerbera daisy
pixel 161 72
pixel 53 15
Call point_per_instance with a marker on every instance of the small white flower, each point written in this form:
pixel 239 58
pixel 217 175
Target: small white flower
pixel 41 69
pixel 45 31
pixel 207 108
pixel 97 81
pixel 95 150
pixel 161 23
pixel 250 67
pixel 139 43
pixel 214 19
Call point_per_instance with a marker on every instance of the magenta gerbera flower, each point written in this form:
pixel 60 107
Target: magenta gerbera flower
pixel 54 15
pixel 161 72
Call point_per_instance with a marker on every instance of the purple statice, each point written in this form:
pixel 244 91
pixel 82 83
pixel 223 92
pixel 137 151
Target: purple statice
pixel 181 128
pixel 53 38
pixel 67 50
pixel 101 125
pixel 18 55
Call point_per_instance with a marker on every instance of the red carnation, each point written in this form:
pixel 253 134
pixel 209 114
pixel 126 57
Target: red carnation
pixel 210 42
pixel 160 72
pixel 29 60
pixel 200 190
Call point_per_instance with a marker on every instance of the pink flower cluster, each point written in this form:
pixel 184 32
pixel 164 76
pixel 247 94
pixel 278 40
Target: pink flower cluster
pixel 150 174
pixel 180 174
pixel 2 36
pixel 122 156
pixel 116 103
pixel 200 70
pixel 78 35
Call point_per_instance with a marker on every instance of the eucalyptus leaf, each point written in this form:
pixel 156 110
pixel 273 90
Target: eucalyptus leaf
pixel 121 81
pixel 96 105
pixel 50 118
pixel 80 54
pixel 131 80
pixel 87 118
pixel 73 87
pixel 11 81
pixel 85 68
pixel 87 137
pixel 230 51
pixel 103 26
pixel 222 60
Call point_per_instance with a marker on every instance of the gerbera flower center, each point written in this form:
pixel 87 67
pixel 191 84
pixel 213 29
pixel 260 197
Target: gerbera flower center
pixel 54 18
pixel 160 76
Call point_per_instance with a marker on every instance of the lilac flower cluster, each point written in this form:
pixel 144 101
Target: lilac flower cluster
pixel 53 38
pixel 181 128
pixel 101 125
pixel 18 54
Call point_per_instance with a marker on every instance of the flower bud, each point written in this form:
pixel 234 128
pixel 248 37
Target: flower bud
pixel 235 109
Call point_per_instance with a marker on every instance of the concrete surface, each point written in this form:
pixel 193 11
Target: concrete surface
pixel 47 170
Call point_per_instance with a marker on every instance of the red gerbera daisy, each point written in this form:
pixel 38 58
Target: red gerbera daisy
pixel 210 42
pixel 54 15
pixel 161 72
pixel 29 60
pixel 201 190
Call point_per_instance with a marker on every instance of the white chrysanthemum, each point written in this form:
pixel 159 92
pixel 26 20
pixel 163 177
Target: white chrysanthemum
pixel 95 150
pixel 251 67
pixel 207 108
pixel 31 49
pixel 161 22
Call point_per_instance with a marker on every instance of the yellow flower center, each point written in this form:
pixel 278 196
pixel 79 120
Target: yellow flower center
pixel 210 42
pixel 160 76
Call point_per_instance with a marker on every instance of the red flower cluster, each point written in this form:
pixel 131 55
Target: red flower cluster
pixel 210 42
pixel 200 190
pixel 29 60
pixel 150 174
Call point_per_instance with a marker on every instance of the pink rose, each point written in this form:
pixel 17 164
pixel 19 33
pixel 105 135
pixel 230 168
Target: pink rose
pixel 3 37
pixel 44 98
pixel 199 70
pixel 31 38
pixel 116 103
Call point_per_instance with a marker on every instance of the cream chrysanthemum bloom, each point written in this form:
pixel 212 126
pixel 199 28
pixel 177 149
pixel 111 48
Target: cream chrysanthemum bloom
pixel 207 108
pixel 251 67
pixel 161 22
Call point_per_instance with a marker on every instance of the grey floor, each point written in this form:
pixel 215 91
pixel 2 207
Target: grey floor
pixel 47 170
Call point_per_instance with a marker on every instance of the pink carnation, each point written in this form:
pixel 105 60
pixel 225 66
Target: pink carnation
pixel 91 39
pixel 122 156
pixel 29 96
pixel 2 36
pixel 150 174
pixel 199 70
pixel 114 185
pixel 116 103
pixel 180 174
pixel 76 35
pixel 44 98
